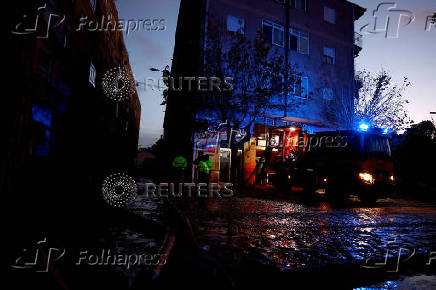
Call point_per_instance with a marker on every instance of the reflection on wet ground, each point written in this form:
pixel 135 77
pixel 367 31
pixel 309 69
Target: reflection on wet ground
pixel 142 233
pixel 291 236
pixel 414 282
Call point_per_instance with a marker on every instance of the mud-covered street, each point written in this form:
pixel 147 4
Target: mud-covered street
pixel 294 235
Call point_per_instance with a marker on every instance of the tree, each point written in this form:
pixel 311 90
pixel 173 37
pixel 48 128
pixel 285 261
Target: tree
pixel 379 102
pixel 414 156
pixel 259 77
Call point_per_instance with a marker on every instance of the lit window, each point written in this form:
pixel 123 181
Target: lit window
pixel 92 74
pixel 42 118
pixel 329 15
pixel 235 24
pixel 299 41
pixel 273 33
pixel 42 115
pixel 329 55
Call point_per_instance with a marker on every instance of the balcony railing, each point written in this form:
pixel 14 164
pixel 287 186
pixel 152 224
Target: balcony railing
pixel 358 39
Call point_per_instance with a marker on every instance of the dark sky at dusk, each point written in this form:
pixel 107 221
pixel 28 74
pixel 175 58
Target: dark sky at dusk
pixel 411 55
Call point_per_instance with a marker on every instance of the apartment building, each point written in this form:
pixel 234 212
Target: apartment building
pixel 59 123
pixel 316 36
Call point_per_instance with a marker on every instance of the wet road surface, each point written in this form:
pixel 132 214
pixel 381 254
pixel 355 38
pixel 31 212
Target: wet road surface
pixel 293 235
pixel 290 235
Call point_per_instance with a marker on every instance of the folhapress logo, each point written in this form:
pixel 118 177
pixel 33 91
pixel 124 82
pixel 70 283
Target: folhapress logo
pixel 39 259
pixel 388 19
pixel 28 26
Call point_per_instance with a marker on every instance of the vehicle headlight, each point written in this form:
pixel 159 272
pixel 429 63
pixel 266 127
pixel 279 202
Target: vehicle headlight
pixel 366 177
pixel 392 178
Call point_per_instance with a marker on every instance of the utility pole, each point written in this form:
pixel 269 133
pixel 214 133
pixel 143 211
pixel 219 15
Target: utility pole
pixel 287 6
pixel 287 10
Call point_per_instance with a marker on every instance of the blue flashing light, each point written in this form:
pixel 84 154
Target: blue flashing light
pixel 364 127
pixel 385 131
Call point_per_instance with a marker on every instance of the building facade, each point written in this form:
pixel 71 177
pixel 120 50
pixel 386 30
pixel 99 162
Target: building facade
pixel 316 36
pixel 59 122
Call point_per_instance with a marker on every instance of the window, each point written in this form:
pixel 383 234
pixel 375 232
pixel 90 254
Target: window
pixel 299 41
pixel 300 4
pixel 329 15
pixel 303 91
pixel 377 145
pixel 235 24
pixel 42 120
pixel 273 33
pixel 92 74
pixel 93 4
pixel 329 55
pixel 42 115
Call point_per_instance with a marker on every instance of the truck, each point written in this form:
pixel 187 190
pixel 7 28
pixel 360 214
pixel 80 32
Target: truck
pixel 339 163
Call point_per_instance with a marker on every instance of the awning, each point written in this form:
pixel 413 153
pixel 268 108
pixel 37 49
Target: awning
pixel 299 120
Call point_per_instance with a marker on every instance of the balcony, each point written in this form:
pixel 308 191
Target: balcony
pixel 358 40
